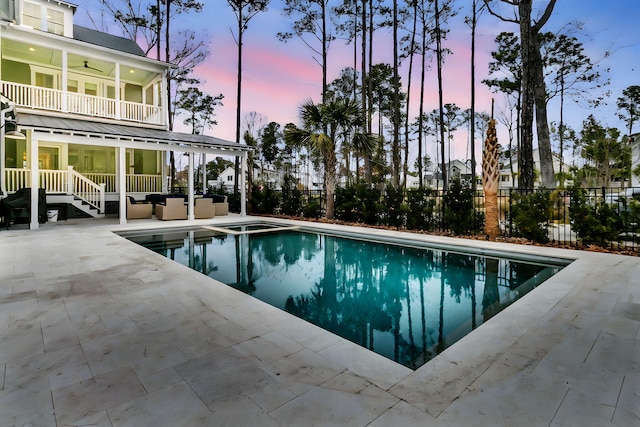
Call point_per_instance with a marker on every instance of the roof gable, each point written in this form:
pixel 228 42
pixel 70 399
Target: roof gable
pixel 110 41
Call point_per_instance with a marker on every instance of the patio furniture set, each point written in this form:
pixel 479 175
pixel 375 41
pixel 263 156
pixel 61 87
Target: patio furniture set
pixel 172 207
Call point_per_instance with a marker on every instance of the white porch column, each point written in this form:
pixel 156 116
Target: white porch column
pixel 117 78
pixel 35 183
pixel 190 191
pixel 164 106
pixel 3 175
pixel 204 173
pixel 243 184
pixel 65 72
pixel 163 173
pixel 122 185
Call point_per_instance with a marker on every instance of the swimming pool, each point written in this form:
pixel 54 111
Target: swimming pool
pixel 406 302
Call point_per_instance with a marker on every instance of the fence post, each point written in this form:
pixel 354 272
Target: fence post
pixel 507 224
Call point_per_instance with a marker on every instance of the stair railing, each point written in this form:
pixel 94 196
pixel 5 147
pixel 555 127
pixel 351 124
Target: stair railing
pixel 85 189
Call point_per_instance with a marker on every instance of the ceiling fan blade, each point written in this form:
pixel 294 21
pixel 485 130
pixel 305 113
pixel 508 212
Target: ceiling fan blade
pixel 87 66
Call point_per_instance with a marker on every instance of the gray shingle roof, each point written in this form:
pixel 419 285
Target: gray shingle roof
pixel 113 131
pixel 106 40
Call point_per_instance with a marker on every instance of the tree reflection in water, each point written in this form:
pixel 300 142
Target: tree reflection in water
pixel 407 304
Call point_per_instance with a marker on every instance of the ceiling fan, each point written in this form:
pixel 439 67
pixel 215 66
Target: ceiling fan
pixel 87 66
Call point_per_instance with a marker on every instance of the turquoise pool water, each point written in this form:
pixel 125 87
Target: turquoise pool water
pixel 405 303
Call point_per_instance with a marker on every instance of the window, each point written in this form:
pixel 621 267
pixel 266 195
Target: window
pixel 111 92
pixel 91 89
pixel 72 86
pixel 230 178
pixel 6 10
pixel 31 15
pixel 55 21
pixel 44 80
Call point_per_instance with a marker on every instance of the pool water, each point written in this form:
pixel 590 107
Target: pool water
pixel 405 303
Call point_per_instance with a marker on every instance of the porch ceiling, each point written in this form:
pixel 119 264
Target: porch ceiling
pixel 126 136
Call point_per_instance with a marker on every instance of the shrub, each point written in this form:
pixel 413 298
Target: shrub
pixel 530 215
pixel 264 200
pixel 459 214
pixel 358 203
pixel 396 210
pixel 312 209
pixel 421 209
pixel 234 202
pixel 594 221
pixel 291 197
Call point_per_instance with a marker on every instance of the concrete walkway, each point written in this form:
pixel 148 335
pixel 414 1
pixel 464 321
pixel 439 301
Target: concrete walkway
pixel 96 330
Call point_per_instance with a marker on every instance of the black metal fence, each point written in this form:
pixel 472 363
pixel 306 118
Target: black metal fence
pixel 605 217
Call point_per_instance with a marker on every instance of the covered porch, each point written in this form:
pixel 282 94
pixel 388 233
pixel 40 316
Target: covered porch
pixel 123 148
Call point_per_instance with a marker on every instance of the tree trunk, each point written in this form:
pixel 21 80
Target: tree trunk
pixel 412 43
pixel 473 97
pixel 395 178
pixel 542 126
pixel 330 182
pixel 172 157
pixel 236 167
pixel 365 106
pixel 325 47
pixel 443 171
pixel 423 51
pixel 525 154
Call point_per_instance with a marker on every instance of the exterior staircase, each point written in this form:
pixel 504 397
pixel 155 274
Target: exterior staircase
pixel 77 202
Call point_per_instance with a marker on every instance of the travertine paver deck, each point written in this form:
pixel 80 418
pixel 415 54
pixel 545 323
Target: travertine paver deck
pixel 95 330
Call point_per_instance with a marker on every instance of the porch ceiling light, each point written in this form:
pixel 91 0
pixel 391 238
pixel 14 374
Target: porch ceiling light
pixel 132 71
pixel 14 134
pixel 32 49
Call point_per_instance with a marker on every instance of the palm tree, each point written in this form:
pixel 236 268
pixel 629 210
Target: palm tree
pixel 490 177
pixel 324 126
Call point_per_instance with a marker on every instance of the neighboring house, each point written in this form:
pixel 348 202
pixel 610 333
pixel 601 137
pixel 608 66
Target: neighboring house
pixel 456 169
pixel 268 176
pixel 509 180
pixel 225 180
pixel 93 111
pixel 307 179
pixel 634 140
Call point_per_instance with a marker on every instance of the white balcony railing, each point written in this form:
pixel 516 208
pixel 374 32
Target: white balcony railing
pixel 136 183
pixel 77 103
pixel 57 181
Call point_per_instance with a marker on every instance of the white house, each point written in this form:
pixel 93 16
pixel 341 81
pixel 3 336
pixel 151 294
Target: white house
pixel 92 110
pixel 509 180
pixel 267 175
pixel 456 169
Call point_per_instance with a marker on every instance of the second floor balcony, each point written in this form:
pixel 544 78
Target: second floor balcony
pixel 92 74
pixel 40 98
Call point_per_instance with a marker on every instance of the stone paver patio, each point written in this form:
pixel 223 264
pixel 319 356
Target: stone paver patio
pixel 96 330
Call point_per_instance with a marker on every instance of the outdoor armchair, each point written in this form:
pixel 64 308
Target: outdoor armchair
pixel 138 210
pixel 220 202
pixel 204 208
pixel 172 208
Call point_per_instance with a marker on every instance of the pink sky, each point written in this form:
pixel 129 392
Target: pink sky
pixel 278 77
